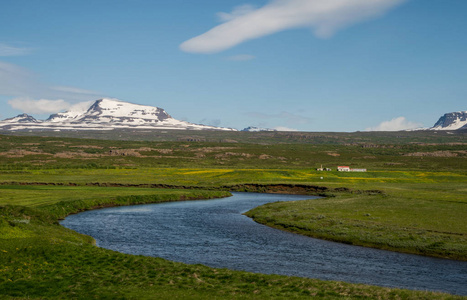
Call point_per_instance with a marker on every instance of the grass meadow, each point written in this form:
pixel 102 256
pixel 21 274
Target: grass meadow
pixel 412 199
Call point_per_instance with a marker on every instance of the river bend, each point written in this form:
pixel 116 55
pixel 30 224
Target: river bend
pixel 216 234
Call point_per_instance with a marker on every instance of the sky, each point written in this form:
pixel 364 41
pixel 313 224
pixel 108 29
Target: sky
pixel 306 65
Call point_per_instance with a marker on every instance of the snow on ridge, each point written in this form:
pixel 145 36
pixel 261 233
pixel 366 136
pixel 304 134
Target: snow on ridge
pixel 111 110
pixel 257 129
pixel 451 121
pixel 454 126
pixel 124 107
pixel 22 118
pixel 107 113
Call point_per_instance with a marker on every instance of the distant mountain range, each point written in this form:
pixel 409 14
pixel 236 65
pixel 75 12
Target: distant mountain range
pixel 452 121
pixel 105 114
pixel 108 114
pixel 257 129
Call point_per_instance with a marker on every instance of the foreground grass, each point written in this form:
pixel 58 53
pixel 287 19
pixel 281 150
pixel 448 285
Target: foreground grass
pixel 62 268
pixel 40 259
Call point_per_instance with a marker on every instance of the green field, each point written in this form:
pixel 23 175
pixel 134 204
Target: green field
pixel 412 199
pixel 425 219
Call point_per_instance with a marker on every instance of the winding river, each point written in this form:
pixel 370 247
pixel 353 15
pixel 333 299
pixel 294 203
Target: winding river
pixel 216 234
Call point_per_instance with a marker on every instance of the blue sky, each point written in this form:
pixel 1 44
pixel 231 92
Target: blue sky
pixel 308 65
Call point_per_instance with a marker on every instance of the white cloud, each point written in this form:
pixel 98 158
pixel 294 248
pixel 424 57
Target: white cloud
pixel 15 80
pixel 7 50
pixel 26 88
pixel 324 17
pixel 81 106
pixel 32 106
pixel 42 106
pixel 241 57
pixel 31 95
pixel 73 90
pixel 282 128
pixel 236 12
pixel 396 124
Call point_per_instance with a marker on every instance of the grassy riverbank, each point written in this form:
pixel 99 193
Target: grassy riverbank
pixel 420 212
pixel 418 183
pixel 40 259
pixel 409 219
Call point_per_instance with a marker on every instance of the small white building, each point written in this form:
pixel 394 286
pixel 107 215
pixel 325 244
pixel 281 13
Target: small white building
pixel 348 169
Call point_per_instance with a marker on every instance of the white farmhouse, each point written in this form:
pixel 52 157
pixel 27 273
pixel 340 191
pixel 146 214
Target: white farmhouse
pixel 348 169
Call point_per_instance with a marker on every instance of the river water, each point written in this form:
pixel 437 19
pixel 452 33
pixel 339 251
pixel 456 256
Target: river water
pixel 216 234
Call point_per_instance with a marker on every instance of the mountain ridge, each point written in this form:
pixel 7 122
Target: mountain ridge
pixel 106 114
pixel 111 113
pixel 451 121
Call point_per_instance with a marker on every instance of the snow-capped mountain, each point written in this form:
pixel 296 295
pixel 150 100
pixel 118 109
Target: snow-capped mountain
pixel 452 121
pixel 257 129
pixel 23 118
pixel 113 111
pixel 106 114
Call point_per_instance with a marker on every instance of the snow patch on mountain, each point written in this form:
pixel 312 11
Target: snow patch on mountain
pixel 111 110
pixel 257 129
pixel 23 118
pixel 452 121
pixel 107 113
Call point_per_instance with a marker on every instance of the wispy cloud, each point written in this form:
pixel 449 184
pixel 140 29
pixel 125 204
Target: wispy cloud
pixel 396 124
pixel 7 50
pixel 43 106
pixel 241 57
pixel 31 106
pixel 324 17
pixel 282 128
pixel 31 95
pixel 236 12
pixel 73 90
pixel 15 80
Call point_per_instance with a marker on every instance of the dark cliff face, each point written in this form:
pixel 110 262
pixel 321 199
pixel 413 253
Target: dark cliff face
pixel 450 119
pixel 95 108
pixel 162 114
pixel 55 116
